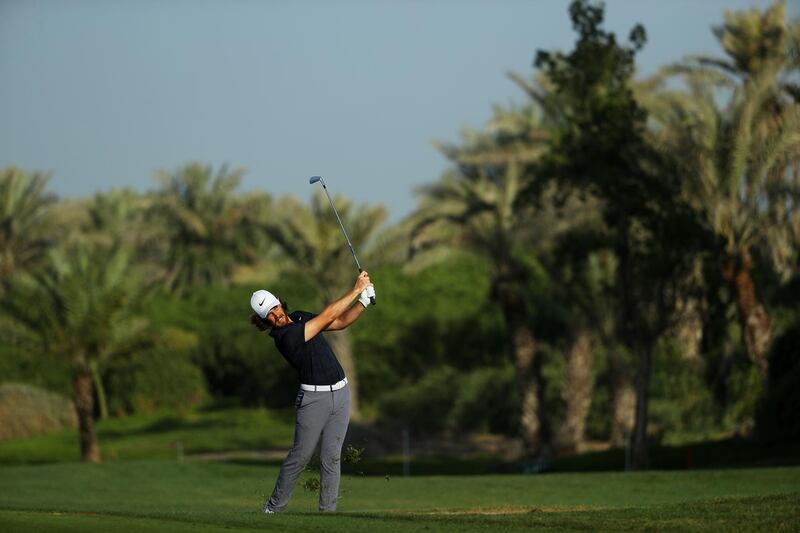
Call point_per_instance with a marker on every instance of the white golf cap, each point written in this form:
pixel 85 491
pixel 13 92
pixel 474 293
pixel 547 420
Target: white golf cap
pixel 262 301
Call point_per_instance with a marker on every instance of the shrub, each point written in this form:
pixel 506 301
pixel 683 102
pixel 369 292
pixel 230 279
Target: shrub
pixel 679 399
pixel 487 400
pixel 22 363
pixel 437 316
pixel 151 380
pixel 26 410
pixel 483 400
pixel 425 405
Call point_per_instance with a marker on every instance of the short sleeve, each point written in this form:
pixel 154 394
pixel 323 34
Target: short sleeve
pixel 292 339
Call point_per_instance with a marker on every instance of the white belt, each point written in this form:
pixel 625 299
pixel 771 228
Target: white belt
pixel 317 388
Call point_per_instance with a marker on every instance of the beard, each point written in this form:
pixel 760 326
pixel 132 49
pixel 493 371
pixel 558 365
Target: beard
pixel 280 321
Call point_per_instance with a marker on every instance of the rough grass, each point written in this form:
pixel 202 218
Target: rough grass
pixel 169 496
pixel 26 411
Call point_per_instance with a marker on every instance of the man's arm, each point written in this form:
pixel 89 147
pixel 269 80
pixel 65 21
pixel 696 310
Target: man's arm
pixel 347 318
pixel 333 311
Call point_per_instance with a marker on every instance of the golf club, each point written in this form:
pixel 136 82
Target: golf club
pixel 312 180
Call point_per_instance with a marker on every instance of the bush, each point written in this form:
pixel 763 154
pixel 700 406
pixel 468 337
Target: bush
pixel 151 380
pixel 487 400
pixel 439 316
pixel 424 406
pixel 20 362
pixel 26 410
pixel 447 400
pixel 680 401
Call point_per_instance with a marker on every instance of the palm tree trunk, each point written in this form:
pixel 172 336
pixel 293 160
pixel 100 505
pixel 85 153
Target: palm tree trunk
pixel 84 407
pixel 522 343
pixel 690 328
pixel 641 458
pixel 342 345
pixel 533 424
pixel 755 322
pixel 102 402
pixel 623 395
pixel 623 400
pixel 577 393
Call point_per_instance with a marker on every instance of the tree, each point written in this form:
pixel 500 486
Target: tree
pixel 599 145
pixel 474 205
pixel 79 307
pixel 738 160
pixel 25 229
pixel 206 231
pixel 741 156
pixel 755 42
pixel 311 239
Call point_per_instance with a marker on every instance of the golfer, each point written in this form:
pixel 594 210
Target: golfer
pixel 323 402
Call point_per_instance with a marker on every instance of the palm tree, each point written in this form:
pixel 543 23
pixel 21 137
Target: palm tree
pixel 205 228
pixel 755 41
pixel 78 307
pixel 121 217
pixel 474 205
pixel 115 217
pixel 738 174
pixel 25 229
pixel 310 237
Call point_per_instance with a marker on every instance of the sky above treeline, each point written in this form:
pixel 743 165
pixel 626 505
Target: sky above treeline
pixel 104 93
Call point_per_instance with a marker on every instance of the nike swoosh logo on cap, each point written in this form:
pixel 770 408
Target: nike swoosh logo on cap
pixel 261 302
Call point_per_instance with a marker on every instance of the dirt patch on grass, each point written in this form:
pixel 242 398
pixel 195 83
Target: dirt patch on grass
pixel 278 454
pixel 507 509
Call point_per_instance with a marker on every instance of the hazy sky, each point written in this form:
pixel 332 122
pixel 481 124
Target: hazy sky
pixel 102 93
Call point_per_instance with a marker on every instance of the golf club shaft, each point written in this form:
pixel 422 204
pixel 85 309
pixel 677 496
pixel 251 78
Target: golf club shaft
pixel 347 237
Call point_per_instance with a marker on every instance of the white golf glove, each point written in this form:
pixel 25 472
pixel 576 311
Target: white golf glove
pixel 363 299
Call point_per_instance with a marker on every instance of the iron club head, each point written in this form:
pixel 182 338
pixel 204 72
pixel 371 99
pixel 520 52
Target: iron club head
pixel 313 179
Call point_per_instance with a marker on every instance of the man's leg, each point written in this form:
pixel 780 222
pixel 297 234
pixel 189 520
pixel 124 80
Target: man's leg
pixel 331 449
pixel 311 414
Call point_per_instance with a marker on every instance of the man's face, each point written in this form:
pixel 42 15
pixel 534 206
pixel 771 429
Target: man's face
pixel 277 317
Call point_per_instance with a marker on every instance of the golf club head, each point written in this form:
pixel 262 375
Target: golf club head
pixel 313 179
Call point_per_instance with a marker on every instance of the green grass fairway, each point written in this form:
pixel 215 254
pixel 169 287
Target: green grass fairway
pixel 168 496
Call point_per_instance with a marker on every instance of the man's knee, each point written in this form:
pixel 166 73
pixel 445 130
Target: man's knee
pixel 330 462
pixel 298 456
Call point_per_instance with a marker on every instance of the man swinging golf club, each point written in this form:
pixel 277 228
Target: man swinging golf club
pixel 322 405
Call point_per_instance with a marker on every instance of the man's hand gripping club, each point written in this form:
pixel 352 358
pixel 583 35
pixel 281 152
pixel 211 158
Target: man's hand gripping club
pixel 341 313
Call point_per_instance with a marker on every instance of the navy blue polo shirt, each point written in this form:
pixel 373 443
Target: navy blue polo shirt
pixel 314 360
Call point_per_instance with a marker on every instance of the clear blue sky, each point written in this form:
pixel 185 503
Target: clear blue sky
pixel 103 93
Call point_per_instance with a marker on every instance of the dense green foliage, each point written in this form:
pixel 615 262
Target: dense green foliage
pixel 152 380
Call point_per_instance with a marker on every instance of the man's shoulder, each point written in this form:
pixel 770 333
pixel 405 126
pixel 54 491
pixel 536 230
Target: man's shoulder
pixel 301 316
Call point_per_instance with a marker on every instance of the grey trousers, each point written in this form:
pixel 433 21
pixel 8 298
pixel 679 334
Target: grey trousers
pixel 325 414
